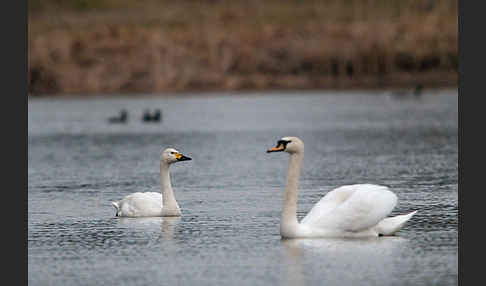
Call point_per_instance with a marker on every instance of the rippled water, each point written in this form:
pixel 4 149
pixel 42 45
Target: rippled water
pixel 231 193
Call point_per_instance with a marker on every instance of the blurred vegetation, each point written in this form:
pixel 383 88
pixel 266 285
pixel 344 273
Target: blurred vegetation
pixel 127 46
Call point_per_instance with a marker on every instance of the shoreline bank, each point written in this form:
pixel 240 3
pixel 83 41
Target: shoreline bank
pixel 166 46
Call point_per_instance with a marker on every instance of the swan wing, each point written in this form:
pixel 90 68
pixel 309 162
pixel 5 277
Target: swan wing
pixel 140 204
pixel 390 225
pixel 352 208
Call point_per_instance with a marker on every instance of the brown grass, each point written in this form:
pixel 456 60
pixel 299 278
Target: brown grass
pixel 154 46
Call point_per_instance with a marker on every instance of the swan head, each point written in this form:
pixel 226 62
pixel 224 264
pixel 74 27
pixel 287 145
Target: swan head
pixel 289 145
pixel 171 155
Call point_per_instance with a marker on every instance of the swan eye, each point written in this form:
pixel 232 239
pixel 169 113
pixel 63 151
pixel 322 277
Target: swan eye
pixel 283 142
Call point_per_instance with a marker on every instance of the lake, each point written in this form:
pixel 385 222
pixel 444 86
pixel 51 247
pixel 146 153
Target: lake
pixel 231 193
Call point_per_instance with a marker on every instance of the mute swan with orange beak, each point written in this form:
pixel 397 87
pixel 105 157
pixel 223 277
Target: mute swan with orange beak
pixel 150 204
pixel 348 211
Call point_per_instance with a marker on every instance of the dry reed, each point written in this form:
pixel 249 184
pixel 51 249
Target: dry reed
pixel 108 46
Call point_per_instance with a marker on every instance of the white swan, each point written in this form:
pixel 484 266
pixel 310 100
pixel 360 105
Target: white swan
pixel 348 211
pixel 150 204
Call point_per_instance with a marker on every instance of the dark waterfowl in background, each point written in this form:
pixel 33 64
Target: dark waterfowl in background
pixel 157 115
pixel 407 94
pixel 147 117
pixel 120 119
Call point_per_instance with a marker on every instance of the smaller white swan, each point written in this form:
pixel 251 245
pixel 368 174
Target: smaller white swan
pixel 348 211
pixel 152 204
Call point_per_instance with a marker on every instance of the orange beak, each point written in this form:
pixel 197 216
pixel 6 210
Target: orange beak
pixel 276 149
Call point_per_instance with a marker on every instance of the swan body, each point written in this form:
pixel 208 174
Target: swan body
pixel 153 204
pixel 140 205
pixel 358 210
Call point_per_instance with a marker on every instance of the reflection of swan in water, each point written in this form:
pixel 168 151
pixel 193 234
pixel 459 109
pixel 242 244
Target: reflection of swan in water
pixel 341 246
pixel 359 210
pixel 293 263
pixel 141 223
pixel 344 261
pixel 167 224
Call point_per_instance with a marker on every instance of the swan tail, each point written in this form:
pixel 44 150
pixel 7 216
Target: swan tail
pixel 389 226
pixel 116 206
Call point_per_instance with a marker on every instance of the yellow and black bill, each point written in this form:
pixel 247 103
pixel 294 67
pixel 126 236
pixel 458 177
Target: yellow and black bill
pixel 181 157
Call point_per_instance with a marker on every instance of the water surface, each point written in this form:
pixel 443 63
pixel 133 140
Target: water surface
pixel 231 193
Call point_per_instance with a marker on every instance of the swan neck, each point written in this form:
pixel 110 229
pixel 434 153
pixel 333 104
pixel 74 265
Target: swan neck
pixel 289 212
pixel 168 198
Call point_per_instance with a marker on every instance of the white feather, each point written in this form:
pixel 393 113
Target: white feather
pixel 139 205
pixel 389 226
pixel 352 208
